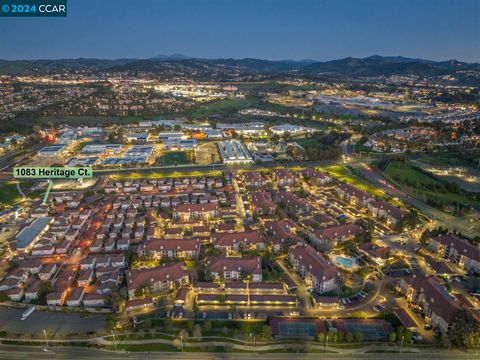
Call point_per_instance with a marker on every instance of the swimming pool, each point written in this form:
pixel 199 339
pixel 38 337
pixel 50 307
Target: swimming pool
pixel 344 262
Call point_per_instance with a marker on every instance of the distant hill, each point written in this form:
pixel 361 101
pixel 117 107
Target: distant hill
pixel 378 65
pixel 41 67
pixel 178 64
pixel 171 57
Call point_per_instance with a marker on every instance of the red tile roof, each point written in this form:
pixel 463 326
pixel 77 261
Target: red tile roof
pixel 439 300
pixel 251 265
pixel 262 200
pixel 337 231
pixel 171 245
pixel 246 237
pixel 191 208
pixel 139 277
pixel 283 174
pixel 353 191
pixel 393 211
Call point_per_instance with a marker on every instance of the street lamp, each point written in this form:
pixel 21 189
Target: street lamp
pixel 114 342
pixel 46 340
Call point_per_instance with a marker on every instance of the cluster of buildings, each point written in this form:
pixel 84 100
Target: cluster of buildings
pixel 222 223
pixel 418 138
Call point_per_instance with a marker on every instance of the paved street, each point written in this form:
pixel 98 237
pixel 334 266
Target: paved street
pixel 21 352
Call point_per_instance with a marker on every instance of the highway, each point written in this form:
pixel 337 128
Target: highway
pixel 32 352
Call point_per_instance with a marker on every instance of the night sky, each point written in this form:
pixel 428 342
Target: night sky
pixel 267 29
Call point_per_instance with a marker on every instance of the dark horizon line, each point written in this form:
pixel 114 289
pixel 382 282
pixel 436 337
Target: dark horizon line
pixel 181 57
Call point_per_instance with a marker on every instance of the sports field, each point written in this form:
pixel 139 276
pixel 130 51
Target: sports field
pixel 175 158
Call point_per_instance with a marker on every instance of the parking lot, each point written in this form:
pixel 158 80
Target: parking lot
pixel 53 322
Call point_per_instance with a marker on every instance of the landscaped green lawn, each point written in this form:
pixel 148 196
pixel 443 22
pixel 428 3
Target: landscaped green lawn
pixel 404 172
pixel 175 158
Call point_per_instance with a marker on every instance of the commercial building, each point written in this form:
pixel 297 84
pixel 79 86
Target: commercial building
pixel 291 129
pixel 234 152
pixel 52 151
pixel 100 149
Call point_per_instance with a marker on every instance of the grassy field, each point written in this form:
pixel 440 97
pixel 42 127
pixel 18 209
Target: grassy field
pixel 8 194
pixel 419 184
pixel 175 158
pixel 404 172
pixel 223 107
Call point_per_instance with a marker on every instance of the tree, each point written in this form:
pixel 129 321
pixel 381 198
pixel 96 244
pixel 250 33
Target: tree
pixel 207 325
pixel 246 328
pixel 321 337
pixel 177 343
pixel 349 336
pixel 197 331
pixel 167 323
pixel 400 224
pixel 266 332
pixel 110 322
pixel 358 336
pixel 404 333
pixel 275 139
pixel 142 291
pixel 45 288
pixel 332 337
pixel 465 331
pixel 287 136
pixel 147 324
pixel 190 325
pixel 340 336
pixel 392 336
pixel 183 334
pixel 109 301
pixel 3 296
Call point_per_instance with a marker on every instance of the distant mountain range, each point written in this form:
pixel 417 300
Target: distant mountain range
pixel 170 65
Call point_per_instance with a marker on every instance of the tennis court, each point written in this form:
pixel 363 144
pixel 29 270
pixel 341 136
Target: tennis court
pixel 297 329
pixel 370 331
